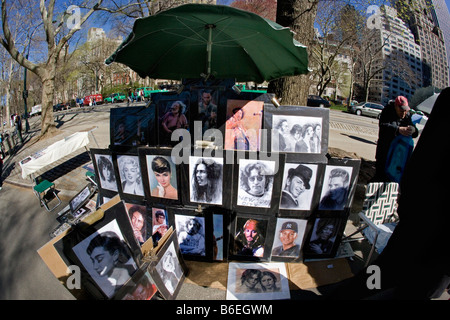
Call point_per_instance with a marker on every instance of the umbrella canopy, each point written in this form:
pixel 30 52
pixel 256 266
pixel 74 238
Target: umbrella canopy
pixel 427 105
pixel 196 40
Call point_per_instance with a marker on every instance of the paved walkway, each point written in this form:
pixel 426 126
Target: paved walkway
pixel 68 173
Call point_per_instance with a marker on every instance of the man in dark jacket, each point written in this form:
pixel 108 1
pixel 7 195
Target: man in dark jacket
pixel 415 264
pixel 394 120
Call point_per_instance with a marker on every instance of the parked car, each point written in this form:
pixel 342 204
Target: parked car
pixel 116 97
pixel 98 99
pixel 369 109
pixel 317 101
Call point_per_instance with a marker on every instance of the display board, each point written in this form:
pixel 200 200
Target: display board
pixel 209 173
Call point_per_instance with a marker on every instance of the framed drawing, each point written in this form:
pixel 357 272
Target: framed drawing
pixel 243 125
pixel 128 171
pixel 257 182
pixel 194 232
pixel 300 189
pixel 339 183
pixel 220 236
pixel 104 170
pixel 173 112
pixel 107 250
pixel 140 218
pixel 206 180
pixel 257 281
pixel 251 237
pixel 81 198
pixel 288 239
pixel 131 126
pixel 140 287
pixel 160 224
pixel 324 239
pixel 207 106
pixel 160 174
pixel 169 270
pixel 300 132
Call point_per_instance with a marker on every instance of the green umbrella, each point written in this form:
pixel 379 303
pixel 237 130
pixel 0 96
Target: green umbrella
pixel 196 40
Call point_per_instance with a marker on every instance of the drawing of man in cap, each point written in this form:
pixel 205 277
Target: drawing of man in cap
pixel 297 182
pixel 288 234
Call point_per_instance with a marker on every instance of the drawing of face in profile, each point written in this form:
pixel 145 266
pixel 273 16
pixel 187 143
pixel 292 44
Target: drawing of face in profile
pixel 206 180
pixel 107 258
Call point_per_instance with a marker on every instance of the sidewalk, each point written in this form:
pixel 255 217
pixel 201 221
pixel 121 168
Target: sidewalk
pixel 67 173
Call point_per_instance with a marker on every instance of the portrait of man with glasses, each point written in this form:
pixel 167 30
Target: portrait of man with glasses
pixel 255 183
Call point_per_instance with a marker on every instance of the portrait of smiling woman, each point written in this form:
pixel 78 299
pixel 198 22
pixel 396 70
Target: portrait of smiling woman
pixel 130 174
pixel 162 173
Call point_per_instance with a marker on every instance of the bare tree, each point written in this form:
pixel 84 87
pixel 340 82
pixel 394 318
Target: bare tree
pixel 57 37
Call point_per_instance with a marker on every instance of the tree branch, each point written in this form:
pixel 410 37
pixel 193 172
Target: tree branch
pixel 9 45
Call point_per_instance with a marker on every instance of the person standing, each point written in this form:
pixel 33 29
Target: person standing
pixel 394 120
pixel 18 125
pixel 1 171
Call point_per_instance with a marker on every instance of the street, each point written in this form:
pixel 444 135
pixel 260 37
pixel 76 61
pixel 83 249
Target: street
pixel 25 226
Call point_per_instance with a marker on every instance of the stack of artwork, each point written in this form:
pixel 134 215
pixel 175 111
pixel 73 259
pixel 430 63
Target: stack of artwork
pixel 262 190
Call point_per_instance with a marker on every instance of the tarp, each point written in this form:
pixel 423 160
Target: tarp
pixel 53 153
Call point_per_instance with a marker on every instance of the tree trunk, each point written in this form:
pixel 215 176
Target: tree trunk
pixel 48 92
pixel 299 16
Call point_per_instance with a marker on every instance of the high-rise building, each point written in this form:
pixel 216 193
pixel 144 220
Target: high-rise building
pixel 399 61
pixel 443 21
pixel 422 20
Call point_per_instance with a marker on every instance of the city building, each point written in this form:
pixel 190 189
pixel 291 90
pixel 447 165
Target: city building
pixel 423 22
pixel 443 21
pixel 399 60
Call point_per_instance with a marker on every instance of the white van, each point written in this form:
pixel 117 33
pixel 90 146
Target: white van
pixel 37 109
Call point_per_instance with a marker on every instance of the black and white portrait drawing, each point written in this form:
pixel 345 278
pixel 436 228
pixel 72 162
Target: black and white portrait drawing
pixel 257 281
pixel 106 172
pixel 288 238
pixel 169 269
pixel 107 258
pixel 323 236
pixel 130 174
pixel 256 179
pixel 298 185
pixel 191 234
pixel 335 188
pixel 81 198
pixel 296 134
pixel 206 176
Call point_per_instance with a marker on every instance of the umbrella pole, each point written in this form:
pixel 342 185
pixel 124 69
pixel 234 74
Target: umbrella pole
pixel 209 47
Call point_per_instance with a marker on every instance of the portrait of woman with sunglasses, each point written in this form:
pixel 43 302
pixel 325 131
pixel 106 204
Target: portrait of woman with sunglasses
pixel 256 181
